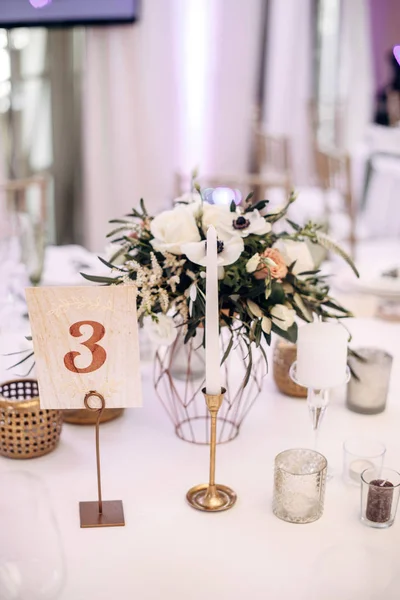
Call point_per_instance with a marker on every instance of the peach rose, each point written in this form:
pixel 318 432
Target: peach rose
pixel 277 268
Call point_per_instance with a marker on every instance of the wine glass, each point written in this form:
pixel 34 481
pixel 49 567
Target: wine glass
pixel 317 402
pixel 12 277
pixel 32 240
pixel 31 556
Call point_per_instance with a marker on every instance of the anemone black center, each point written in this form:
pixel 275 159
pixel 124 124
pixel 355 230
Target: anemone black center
pixel 220 246
pixel 240 223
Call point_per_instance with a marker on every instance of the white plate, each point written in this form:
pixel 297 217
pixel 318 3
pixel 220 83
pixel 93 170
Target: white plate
pixel 373 284
pixel 64 265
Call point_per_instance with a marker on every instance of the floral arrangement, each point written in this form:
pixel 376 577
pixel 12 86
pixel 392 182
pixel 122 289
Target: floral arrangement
pixel 266 272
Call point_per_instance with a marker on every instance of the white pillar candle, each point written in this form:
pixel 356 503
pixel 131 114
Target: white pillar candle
pixel 213 371
pixel 321 355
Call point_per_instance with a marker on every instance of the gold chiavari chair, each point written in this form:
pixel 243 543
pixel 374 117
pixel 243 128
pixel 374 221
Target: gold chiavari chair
pixel 334 173
pixel 17 191
pixel 273 164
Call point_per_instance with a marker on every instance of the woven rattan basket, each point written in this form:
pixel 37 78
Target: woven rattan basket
pixel 285 355
pixel 26 431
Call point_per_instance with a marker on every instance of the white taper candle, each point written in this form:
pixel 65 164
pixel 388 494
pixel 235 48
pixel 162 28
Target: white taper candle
pixel 213 371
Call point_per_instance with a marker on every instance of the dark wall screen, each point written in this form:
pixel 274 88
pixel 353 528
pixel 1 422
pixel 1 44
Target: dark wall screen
pixel 35 13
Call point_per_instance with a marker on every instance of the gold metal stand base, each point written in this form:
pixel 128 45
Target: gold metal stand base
pixel 112 514
pixel 214 498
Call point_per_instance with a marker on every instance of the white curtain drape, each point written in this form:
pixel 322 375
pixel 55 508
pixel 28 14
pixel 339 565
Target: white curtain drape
pixel 172 92
pixel 129 119
pixel 356 85
pixel 288 79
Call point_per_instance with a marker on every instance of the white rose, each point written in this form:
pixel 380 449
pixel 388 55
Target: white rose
pixel 217 216
pixel 253 263
pixel 297 252
pixel 172 228
pixel 282 316
pixel 162 332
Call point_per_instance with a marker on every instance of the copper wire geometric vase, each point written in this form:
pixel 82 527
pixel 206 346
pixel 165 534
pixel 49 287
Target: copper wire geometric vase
pixel 179 378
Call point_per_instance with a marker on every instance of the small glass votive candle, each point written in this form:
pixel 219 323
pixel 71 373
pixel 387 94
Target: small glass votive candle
pixel 299 485
pixel 368 394
pixel 359 455
pixel 379 497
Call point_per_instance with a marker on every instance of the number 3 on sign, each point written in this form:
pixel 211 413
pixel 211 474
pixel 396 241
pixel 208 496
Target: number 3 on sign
pixel 98 353
pixel 85 338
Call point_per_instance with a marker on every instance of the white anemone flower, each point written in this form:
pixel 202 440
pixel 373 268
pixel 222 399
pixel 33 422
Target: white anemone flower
pixel 243 224
pixel 228 251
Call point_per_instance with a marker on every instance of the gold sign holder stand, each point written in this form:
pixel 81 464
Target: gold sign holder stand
pixel 109 513
pixel 211 496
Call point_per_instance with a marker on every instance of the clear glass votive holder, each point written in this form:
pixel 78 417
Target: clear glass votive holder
pixel 359 455
pixel 368 393
pixel 379 497
pixel 299 485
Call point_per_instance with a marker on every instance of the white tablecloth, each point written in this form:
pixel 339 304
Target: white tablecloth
pixel 168 550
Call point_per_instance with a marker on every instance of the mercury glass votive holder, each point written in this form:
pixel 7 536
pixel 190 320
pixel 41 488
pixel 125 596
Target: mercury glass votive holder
pixel 367 394
pixel 361 454
pixel 380 491
pixel 299 485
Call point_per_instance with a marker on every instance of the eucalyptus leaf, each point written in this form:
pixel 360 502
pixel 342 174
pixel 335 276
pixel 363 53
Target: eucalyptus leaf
pixel 249 366
pixel 297 299
pixel 277 295
pixel 20 362
pixel 294 225
pixel 326 242
pixel 274 217
pixel 227 351
pixel 110 265
pixel 117 230
pixel 101 279
pixel 122 221
pixel 290 334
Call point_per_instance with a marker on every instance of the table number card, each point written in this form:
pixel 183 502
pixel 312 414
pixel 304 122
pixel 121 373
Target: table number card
pixel 85 338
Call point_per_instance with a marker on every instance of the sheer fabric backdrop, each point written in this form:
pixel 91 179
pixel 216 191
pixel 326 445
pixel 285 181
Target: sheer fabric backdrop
pixel 174 91
pixel 288 79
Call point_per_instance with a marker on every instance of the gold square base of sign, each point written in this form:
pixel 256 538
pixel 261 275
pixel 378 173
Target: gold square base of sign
pixel 111 516
pixel 199 497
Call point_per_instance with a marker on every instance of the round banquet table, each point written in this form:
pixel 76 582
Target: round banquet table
pixel 168 550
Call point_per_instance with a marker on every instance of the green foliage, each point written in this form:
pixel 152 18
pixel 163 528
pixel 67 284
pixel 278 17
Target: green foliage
pixel 245 301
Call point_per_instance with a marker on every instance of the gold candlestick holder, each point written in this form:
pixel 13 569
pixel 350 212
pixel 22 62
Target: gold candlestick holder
pixel 211 496
pixel 100 513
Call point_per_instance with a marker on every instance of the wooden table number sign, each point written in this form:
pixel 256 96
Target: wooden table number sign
pixel 86 348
